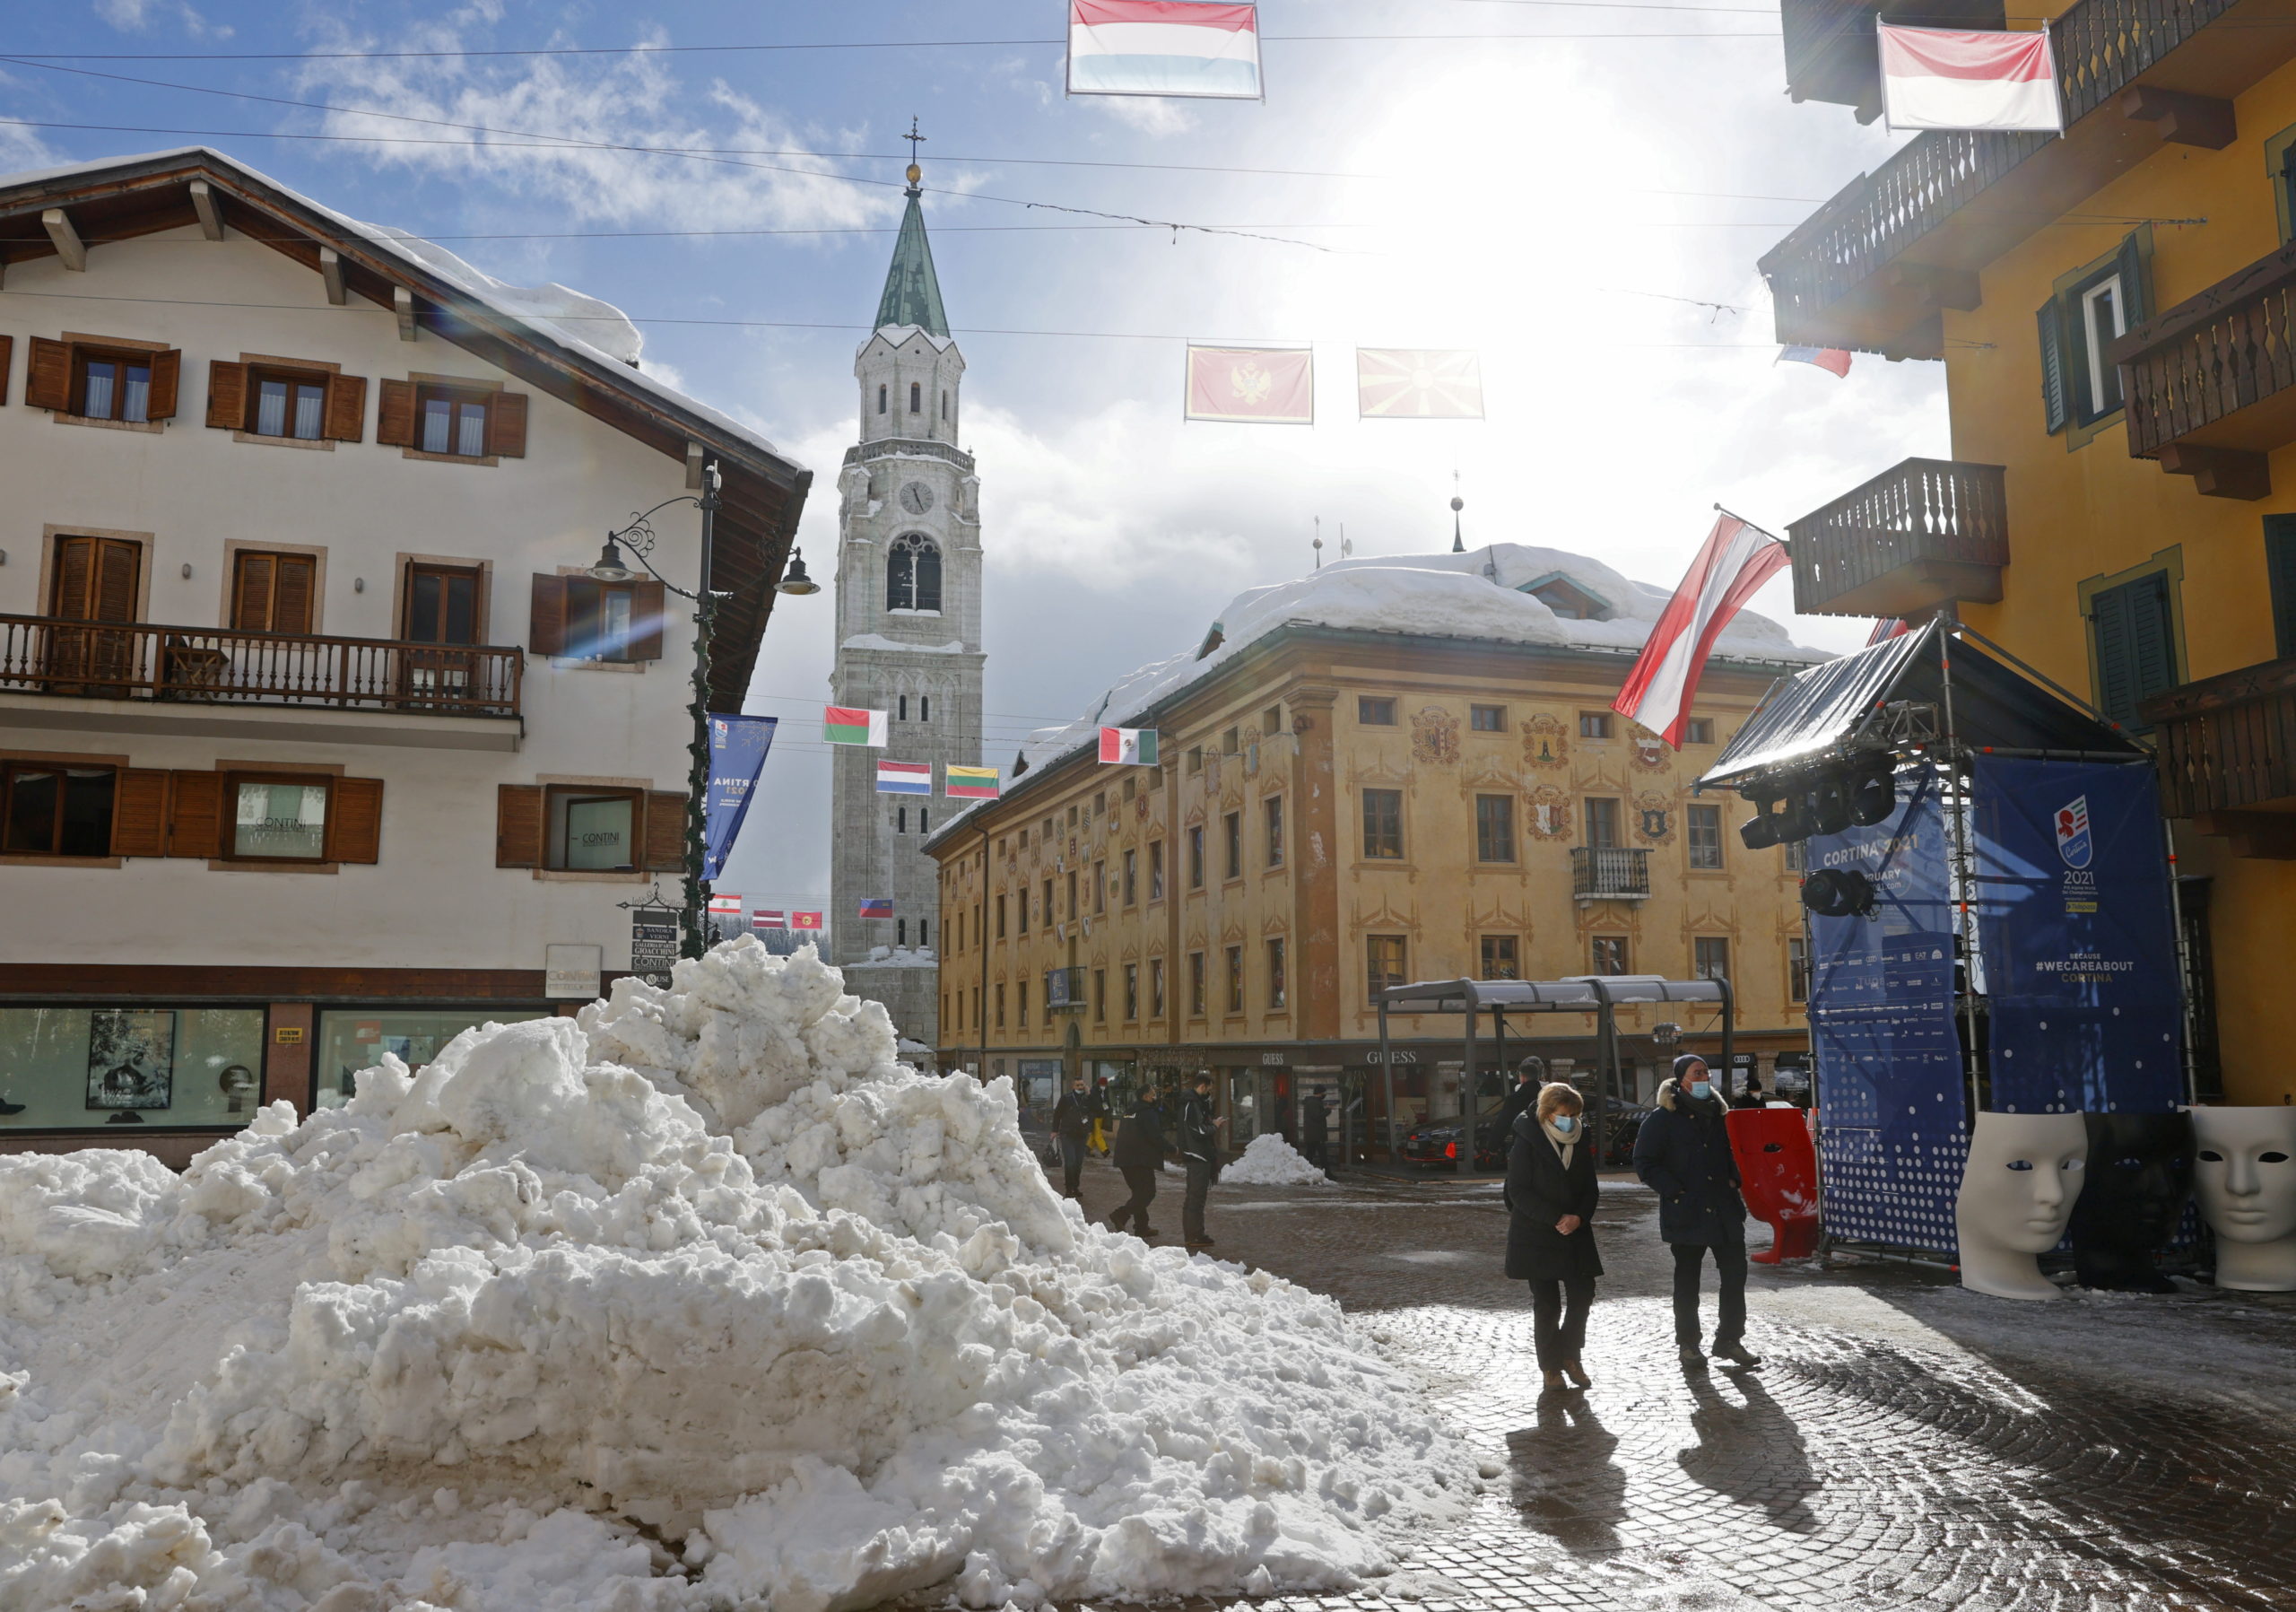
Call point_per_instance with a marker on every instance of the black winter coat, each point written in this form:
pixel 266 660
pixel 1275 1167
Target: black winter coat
pixel 1073 1114
pixel 1539 1192
pixel 1200 1134
pixel 1139 1142
pixel 1682 1153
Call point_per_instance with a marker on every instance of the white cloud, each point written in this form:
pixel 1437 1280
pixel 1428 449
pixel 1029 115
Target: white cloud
pixel 134 17
pixel 1150 114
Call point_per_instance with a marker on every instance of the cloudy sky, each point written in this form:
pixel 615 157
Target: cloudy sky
pixel 1570 186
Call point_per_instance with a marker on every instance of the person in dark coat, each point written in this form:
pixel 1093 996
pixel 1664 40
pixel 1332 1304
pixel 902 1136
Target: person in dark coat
pixel 1315 1132
pixel 1530 1075
pixel 1072 1123
pixel 1682 1153
pixel 1551 1195
pixel 1138 1151
pixel 1200 1152
pixel 1752 1096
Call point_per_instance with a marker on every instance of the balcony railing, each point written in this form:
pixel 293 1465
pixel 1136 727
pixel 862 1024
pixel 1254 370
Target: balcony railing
pixel 134 660
pixel 2227 744
pixel 1064 990
pixel 2210 382
pixel 1608 874
pixel 1927 531
pixel 1831 53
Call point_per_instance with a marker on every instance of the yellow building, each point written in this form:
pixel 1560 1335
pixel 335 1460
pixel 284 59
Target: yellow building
pixel 2114 311
pixel 1388 770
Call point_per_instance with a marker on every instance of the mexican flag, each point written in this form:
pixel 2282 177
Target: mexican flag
pixel 841 726
pixel 1128 747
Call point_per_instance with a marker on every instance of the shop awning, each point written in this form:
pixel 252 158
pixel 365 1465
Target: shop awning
pixel 1583 993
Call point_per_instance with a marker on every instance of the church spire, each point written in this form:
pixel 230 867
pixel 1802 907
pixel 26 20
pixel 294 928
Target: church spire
pixel 912 290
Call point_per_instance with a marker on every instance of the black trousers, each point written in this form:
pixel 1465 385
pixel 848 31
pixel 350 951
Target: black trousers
pixel 1142 1180
pixel 1072 1163
pixel 1199 1188
pixel 1558 1319
pixel 1730 1267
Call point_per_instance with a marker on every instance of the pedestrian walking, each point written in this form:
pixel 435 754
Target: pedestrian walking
pixel 1080 1109
pixel 1315 1133
pixel 1098 1139
pixel 1530 1075
pixel 1551 1195
pixel 1682 1152
pixel 1139 1153
pixel 1200 1152
pixel 1752 1096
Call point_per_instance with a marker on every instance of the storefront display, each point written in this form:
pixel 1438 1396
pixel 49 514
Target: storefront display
pixel 74 1069
pixel 352 1039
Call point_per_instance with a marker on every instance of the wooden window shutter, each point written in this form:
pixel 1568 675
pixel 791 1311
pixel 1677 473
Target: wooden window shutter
pixel 2051 318
pixel 2130 263
pixel 2153 635
pixel 251 593
pixel 75 560
pixel 48 375
pixel 354 827
pixel 167 374
pixel 2280 570
pixel 196 815
pixel 139 813
pixel 648 604
pixel 547 621
pixel 395 415
pixel 117 563
pixel 291 605
pixel 506 425
pixel 518 825
pixel 664 830
pixel 7 357
pixel 227 396
pixel 346 408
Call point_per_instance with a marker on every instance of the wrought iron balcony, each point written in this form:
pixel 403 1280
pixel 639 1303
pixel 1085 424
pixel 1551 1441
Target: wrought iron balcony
pixel 1927 531
pixel 2211 383
pixel 1831 54
pixel 2227 756
pixel 1609 874
pixel 138 660
pixel 1064 990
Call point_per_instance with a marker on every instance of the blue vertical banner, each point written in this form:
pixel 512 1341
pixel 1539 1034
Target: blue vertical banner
pixel 737 747
pixel 1892 1103
pixel 2078 939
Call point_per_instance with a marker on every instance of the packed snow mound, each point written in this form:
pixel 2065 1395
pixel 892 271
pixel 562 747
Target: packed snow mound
pixel 1270 1161
pixel 698 1300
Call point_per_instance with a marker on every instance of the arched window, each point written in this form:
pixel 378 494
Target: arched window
pixel 916 397
pixel 945 402
pixel 913 573
pixel 904 709
pixel 925 708
pixel 881 396
pixel 901 820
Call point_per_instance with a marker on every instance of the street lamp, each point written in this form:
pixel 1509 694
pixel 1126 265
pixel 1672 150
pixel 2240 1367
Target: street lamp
pixel 793 580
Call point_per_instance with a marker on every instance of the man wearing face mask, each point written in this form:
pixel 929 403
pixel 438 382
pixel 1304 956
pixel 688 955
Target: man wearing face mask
pixel 1682 1152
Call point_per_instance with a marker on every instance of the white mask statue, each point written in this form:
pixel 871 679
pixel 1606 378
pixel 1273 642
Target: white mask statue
pixel 2246 1181
pixel 2017 1191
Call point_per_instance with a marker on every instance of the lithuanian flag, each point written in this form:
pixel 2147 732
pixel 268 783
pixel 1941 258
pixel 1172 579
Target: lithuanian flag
pixel 971 783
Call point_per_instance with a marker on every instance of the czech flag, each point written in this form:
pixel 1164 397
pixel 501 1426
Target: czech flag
pixel 804 920
pixel 841 726
pixel 904 777
pixel 877 906
pixel 1942 78
pixel 1164 48
pixel 1835 360
pixel 768 918
pixel 1128 747
pixel 971 783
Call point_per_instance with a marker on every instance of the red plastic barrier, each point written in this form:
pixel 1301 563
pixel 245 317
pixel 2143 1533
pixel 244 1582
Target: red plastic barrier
pixel 1777 1170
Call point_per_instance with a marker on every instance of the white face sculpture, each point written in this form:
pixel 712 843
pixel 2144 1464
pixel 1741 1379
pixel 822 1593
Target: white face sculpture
pixel 2246 1177
pixel 2024 1172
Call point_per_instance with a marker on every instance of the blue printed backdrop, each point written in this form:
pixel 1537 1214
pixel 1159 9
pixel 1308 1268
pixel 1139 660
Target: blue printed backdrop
pixel 2077 935
pixel 737 747
pixel 1891 1101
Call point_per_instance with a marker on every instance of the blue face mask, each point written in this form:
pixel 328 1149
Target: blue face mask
pixel 1565 1123
pixel 1702 1089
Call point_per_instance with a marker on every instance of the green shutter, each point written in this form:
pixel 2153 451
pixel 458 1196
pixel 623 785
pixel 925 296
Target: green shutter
pixel 2052 327
pixel 2130 263
pixel 2115 675
pixel 2280 570
pixel 2137 646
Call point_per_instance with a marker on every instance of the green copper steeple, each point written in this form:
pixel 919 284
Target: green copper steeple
pixel 912 290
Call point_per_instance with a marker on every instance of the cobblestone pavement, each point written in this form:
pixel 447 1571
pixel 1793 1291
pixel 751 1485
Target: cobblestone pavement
pixel 1906 1445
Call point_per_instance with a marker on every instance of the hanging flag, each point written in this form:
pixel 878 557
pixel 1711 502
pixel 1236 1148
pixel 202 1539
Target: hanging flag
pixel 840 725
pixel 1885 629
pixel 877 906
pixel 1418 383
pixel 1834 359
pixel 1942 78
pixel 904 777
pixel 1128 747
pixel 769 917
pixel 1268 385
pixel 1164 48
pixel 804 920
pixel 725 906
pixel 971 783
pixel 1737 559
pixel 737 747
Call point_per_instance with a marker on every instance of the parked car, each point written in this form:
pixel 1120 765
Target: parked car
pixel 1436 1142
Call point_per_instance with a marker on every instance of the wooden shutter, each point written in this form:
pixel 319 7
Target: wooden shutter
pixel 2136 297
pixel 117 564
pixel 2152 635
pixel 167 373
pixel 196 814
pixel 518 825
pixel 2136 640
pixel 75 564
pixel 2052 333
pixel 355 820
pixel 648 602
pixel 7 356
pixel 290 603
pixel 346 408
pixel 251 593
pixel 506 425
pixel 48 375
pixel 139 813
pixel 395 415
pixel 2280 570
pixel 227 396
pixel 664 830
pixel 546 617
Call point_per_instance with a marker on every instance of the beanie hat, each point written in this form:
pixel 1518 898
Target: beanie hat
pixel 1683 1064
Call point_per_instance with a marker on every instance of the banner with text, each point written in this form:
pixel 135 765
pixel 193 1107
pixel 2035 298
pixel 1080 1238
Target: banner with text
pixel 737 747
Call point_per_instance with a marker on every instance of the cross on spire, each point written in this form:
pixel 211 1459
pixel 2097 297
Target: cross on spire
pixel 915 140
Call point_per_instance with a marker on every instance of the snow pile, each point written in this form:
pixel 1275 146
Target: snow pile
pixel 700 1299
pixel 1270 1161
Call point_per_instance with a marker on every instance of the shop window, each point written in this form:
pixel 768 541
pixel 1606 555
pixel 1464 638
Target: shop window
pixel 1383 956
pixel 1494 828
pixel 1383 824
pixel 54 810
pixel 1703 828
pixel 352 1039
pixel 85 1069
pixel 1500 960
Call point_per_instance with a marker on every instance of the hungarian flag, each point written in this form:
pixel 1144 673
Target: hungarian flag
pixel 1164 48
pixel 804 920
pixel 1942 78
pixel 877 906
pixel 971 783
pixel 1267 386
pixel 1418 383
pixel 1834 359
pixel 1128 747
pixel 1737 559
pixel 840 725
pixel 769 917
pixel 904 777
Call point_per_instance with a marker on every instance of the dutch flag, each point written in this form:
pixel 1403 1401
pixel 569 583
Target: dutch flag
pixel 904 777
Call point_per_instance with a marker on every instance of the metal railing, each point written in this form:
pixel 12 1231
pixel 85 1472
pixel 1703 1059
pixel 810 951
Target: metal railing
pixel 50 655
pixel 1609 873
pixel 1923 510
pixel 2211 355
pixel 2226 742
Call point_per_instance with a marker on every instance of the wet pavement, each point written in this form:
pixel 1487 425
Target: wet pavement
pixel 1904 1444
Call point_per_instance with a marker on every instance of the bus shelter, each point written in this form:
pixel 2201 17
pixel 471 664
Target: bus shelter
pixel 1601 995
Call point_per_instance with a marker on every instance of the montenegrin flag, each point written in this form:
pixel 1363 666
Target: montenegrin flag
pixel 1164 48
pixel 1942 78
pixel 904 777
pixel 1418 383
pixel 1737 559
pixel 877 906
pixel 769 917
pixel 1269 386
pixel 840 725
pixel 1128 747
pixel 804 920
pixel 971 783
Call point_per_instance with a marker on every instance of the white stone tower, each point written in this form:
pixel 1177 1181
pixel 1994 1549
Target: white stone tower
pixel 908 630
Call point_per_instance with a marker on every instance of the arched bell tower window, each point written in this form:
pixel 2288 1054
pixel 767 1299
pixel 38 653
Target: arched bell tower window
pixel 913 573
pixel 881 396
pixel 916 397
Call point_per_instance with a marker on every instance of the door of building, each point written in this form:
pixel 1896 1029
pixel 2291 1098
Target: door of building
pixel 95 579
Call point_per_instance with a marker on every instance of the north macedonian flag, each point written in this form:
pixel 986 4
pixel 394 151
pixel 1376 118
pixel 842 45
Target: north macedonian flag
pixel 1418 383
pixel 1268 385
pixel 971 783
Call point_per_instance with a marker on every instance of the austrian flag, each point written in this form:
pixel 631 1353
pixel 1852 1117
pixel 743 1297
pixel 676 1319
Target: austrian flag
pixel 1737 560
pixel 1942 78
pixel 1128 747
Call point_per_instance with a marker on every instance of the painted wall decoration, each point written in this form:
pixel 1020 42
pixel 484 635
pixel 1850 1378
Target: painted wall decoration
pixel 1547 812
pixel 1651 753
pixel 1546 742
pixel 1435 736
pixel 1654 818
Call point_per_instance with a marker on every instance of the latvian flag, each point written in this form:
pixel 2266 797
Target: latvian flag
pixel 1940 78
pixel 877 906
pixel 840 725
pixel 971 783
pixel 1164 48
pixel 769 917
pixel 1128 747
pixel 725 906
pixel 804 920
pixel 904 777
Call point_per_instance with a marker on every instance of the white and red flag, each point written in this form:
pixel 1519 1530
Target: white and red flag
pixel 769 917
pixel 1943 78
pixel 1269 386
pixel 1737 560
pixel 725 906
pixel 1192 47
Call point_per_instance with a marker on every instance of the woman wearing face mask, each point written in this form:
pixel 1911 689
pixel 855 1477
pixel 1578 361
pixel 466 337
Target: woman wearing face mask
pixel 1682 1152
pixel 1550 1192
